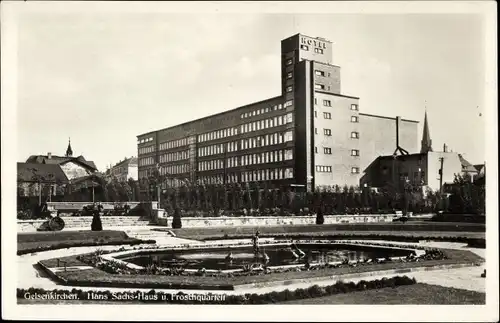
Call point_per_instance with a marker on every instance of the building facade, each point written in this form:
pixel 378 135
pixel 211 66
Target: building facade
pixel 124 170
pixel 309 136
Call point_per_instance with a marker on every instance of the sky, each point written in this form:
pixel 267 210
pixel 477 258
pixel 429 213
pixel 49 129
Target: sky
pixel 101 79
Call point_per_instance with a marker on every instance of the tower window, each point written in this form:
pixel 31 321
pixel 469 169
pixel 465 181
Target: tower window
pixel 355 170
pixel 318 50
pixel 327 132
pixel 355 134
pixel 354 107
pixel 315 114
pixel 327 103
pixel 327 151
pixel 289 75
pixel 319 73
pixel 319 86
pixel 354 119
pixel 289 62
pixel 289 89
pixel 354 152
pixel 327 115
pixel 304 47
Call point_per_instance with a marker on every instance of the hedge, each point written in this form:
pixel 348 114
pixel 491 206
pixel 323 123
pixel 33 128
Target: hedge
pixel 266 298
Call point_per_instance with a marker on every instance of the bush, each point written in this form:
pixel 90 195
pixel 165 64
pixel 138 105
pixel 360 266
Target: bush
pixel 96 224
pixel 320 219
pixel 176 221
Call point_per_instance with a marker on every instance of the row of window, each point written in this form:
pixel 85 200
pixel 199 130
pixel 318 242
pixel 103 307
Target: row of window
pixel 328 132
pixel 174 169
pixel 211 165
pixel 316 50
pixel 261 111
pixel 267 123
pixel 174 144
pixel 328 169
pixel 146 161
pixel 211 150
pixel 267 140
pixel 328 151
pixel 266 174
pixel 218 134
pixel 328 103
pixel 217 179
pixel 146 140
pixel 146 150
pixel 267 157
pixel 179 155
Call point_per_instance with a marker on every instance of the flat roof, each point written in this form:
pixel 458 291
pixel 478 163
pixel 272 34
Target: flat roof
pixel 384 117
pixel 318 38
pixel 341 95
pixel 211 116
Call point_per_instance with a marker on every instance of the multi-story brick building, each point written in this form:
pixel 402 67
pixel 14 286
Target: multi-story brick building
pixel 311 135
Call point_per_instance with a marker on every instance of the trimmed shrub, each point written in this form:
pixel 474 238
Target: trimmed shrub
pixel 96 224
pixel 176 221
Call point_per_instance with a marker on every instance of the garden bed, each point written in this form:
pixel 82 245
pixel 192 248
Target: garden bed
pixel 416 294
pixel 96 277
pixel 44 241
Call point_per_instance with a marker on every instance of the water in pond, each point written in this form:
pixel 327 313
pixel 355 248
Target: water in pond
pixel 237 257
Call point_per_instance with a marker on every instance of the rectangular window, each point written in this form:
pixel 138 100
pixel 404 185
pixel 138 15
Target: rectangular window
pixel 327 115
pixel 289 88
pixel 319 73
pixel 327 132
pixel 288 136
pixel 289 173
pixel 319 86
pixel 315 114
pixel 355 170
pixel 318 50
pixel 316 130
pixel 327 150
pixel 355 135
pixel 287 103
pixel 354 107
pixel 289 62
pixel 315 150
pixel 354 119
pixel 315 101
pixel 304 47
pixel 327 103
pixel 289 75
pixel 289 118
pixel 354 152
pixel 288 154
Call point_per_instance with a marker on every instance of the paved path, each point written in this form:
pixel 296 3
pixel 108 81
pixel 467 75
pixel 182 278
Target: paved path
pixel 465 278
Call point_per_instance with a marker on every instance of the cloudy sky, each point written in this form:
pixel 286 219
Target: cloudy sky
pixel 103 78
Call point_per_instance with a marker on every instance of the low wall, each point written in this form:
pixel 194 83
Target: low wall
pixel 78 206
pixel 85 221
pixel 189 222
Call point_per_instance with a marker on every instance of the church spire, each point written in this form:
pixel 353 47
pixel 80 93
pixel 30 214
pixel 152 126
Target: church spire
pixel 69 151
pixel 426 137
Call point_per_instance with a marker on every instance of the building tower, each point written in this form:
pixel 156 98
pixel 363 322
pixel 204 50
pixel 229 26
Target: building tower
pixel 69 151
pixel 426 137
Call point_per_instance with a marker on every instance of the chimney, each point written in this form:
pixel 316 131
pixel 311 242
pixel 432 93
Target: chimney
pixel 49 155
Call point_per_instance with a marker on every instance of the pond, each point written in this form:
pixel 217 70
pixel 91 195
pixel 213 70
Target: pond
pixel 273 255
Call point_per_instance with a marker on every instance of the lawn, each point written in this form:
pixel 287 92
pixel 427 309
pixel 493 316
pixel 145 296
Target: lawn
pixel 418 294
pixel 43 241
pixel 96 277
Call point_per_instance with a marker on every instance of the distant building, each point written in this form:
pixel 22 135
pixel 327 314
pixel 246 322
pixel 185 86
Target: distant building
pixel 418 169
pixel 49 178
pixel 311 135
pixel 124 170
pixel 73 167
